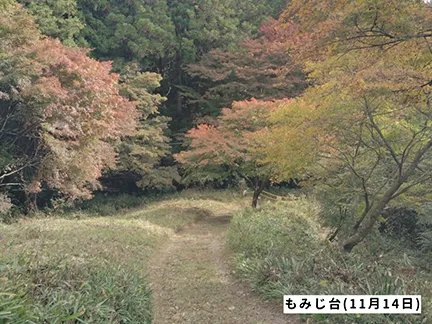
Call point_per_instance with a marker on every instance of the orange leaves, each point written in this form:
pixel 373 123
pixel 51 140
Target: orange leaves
pixel 79 90
pixel 69 105
pixel 237 141
pixel 261 67
pixel 339 26
pixel 206 143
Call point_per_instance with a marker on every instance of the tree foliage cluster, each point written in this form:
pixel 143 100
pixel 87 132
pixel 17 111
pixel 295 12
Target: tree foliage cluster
pixel 68 121
pixel 370 62
pixel 65 118
pixel 233 147
pixel 362 128
pixel 161 36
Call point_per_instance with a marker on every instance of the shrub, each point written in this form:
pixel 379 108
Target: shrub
pixel 401 222
pixel 425 228
pixel 5 206
pixel 109 205
pixel 282 250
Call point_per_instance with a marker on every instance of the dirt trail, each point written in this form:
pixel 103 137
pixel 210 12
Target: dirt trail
pixel 192 283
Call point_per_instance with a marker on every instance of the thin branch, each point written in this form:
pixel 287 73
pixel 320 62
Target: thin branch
pixel 384 140
pixel 15 171
pixel 405 189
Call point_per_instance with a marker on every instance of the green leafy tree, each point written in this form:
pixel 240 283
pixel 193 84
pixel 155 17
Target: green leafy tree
pixel 131 31
pixel 165 36
pixel 140 155
pixel 57 19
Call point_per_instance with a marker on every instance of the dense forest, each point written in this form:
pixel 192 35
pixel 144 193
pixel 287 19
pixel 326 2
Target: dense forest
pixel 160 55
pixel 320 110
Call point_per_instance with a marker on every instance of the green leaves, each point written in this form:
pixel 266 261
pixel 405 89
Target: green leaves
pixel 140 155
pixel 57 19
pixel 128 32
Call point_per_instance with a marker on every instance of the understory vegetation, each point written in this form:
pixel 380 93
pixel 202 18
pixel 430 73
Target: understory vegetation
pixel 80 267
pixel 282 249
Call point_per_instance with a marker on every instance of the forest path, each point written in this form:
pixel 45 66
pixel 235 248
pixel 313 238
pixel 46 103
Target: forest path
pixel 192 282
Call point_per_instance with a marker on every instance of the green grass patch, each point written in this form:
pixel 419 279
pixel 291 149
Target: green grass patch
pixel 61 291
pixel 281 250
pixel 111 205
pixel 80 267
pixel 77 271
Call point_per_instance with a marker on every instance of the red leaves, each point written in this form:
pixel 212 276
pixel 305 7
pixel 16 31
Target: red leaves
pixel 78 90
pixel 235 142
pixel 70 104
pixel 260 68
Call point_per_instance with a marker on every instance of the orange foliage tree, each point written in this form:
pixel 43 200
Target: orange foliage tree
pixel 58 109
pixel 259 67
pixel 233 147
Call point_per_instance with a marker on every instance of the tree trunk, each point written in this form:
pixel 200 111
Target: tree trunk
pixel 179 102
pixel 30 204
pixel 259 187
pixel 372 216
pixel 255 199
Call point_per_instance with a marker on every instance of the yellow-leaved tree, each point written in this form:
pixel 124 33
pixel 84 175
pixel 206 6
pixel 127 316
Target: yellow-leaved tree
pixel 368 114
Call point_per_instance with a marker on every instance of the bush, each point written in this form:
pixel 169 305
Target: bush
pixel 282 250
pixel 400 222
pixel 5 203
pixel 109 205
pixel 425 228
pixel 61 291
pixel 6 208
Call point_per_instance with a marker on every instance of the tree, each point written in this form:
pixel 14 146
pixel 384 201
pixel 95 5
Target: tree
pixel 58 109
pixel 140 155
pixel 370 61
pixel 165 36
pixel 233 147
pixel 129 31
pixel 259 68
pixel 57 19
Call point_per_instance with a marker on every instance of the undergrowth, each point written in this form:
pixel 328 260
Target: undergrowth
pixel 60 291
pixel 112 205
pixel 282 250
pixel 80 267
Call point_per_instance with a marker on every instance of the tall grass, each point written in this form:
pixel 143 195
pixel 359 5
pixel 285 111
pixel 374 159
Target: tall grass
pixel 59 291
pixel 112 205
pixel 282 249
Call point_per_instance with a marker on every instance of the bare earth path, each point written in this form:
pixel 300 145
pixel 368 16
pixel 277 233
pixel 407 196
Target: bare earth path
pixel 191 281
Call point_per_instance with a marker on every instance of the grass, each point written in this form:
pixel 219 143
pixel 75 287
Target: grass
pixel 111 205
pixel 89 265
pixel 80 267
pixel 282 249
pixel 56 290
